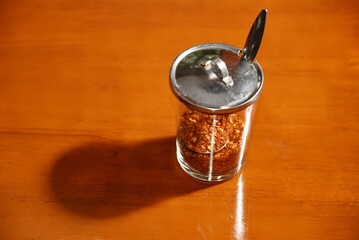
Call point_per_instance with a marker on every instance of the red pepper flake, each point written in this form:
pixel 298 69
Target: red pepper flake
pixel 202 136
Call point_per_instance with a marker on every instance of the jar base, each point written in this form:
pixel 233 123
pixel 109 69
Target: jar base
pixel 206 177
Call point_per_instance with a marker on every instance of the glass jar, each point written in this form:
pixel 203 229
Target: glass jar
pixel 217 90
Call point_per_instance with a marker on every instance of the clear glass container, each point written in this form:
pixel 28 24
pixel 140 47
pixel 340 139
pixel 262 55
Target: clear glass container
pixel 217 92
pixel 212 147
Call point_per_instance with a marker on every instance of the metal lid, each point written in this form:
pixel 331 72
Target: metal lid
pixel 212 78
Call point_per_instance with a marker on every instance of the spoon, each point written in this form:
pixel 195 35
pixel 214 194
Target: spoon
pixel 254 38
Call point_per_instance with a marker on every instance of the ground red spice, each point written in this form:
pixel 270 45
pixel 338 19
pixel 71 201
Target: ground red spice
pixel 199 133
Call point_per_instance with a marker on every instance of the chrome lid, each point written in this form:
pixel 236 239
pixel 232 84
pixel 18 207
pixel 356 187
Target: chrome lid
pixel 213 78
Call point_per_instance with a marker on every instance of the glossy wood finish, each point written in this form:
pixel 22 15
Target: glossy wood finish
pixel 87 122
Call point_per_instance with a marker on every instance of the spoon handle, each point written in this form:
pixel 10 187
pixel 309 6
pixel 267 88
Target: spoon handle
pixel 254 37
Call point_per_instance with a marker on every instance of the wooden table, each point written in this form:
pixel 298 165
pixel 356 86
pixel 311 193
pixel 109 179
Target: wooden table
pixel 87 122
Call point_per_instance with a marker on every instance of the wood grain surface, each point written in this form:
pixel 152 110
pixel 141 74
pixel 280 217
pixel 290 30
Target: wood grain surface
pixel 87 122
